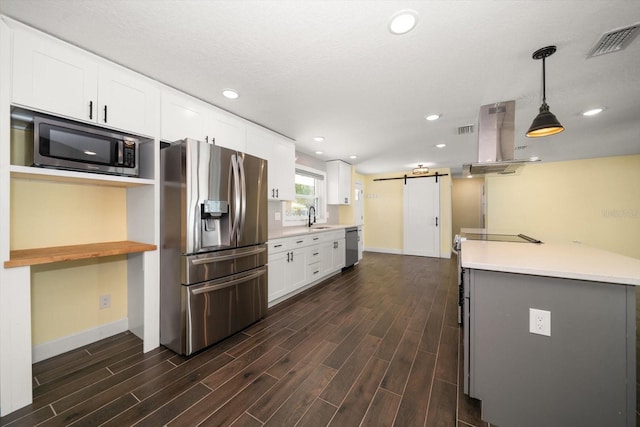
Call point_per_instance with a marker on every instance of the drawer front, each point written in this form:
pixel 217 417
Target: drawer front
pixel 313 254
pixel 278 245
pixel 314 271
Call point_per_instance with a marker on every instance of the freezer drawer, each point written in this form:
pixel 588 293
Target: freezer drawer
pixel 220 308
pixel 214 265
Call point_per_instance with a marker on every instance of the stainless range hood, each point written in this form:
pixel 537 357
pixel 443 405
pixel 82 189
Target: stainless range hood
pixel 496 141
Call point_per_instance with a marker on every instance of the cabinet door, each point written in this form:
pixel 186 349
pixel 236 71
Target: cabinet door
pixel 282 170
pixel 52 76
pixel 339 254
pixel 296 270
pixel 228 131
pixel 338 183
pixel 277 275
pixel 281 155
pixel 182 117
pixel 345 184
pixel 326 261
pixel 127 101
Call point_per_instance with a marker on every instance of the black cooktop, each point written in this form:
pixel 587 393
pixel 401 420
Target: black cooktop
pixel 518 238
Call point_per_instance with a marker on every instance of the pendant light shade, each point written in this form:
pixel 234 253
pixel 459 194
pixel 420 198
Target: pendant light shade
pixel 545 122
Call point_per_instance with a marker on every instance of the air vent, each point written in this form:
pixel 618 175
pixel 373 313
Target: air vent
pixel 615 40
pixel 463 130
pixel 498 109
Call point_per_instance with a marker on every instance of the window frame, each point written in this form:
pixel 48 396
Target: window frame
pixel 289 221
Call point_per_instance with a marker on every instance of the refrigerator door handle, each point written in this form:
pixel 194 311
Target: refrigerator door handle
pixel 236 195
pixel 227 257
pixel 243 196
pixel 219 286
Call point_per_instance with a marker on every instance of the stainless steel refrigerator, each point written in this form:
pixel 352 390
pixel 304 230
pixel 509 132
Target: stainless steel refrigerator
pixel 213 213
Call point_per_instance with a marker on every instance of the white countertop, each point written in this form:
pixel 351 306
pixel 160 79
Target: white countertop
pixel 298 231
pixel 565 260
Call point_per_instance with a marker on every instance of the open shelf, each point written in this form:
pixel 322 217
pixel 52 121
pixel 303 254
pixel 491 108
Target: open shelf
pixel 25 257
pixel 28 172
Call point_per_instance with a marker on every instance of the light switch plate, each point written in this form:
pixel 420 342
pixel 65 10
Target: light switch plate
pixel 540 322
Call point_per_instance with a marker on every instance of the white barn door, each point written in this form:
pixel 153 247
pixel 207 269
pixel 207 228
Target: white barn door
pixel 422 217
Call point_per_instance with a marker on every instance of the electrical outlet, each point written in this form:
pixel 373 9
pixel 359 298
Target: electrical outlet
pixel 105 301
pixel 277 216
pixel 540 322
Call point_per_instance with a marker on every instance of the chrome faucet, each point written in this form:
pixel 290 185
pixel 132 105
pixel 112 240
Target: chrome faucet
pixel 314 215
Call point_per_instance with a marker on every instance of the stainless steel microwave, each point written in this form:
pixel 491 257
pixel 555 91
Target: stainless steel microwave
pixel 65 144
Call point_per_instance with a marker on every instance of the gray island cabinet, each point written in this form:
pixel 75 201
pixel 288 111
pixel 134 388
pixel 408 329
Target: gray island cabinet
pixel 550 333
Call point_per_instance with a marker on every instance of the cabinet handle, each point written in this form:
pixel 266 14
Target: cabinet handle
pixel 316 238
pixel 316 272
pixel 90 110
pixel 315 254
pixel 299 241
pixel 277 193
pixel 436 221
pixel 288 254
pixel 105 114
pixel 206 139
pixel 273 193
pixel 346 200
pixel 291 256
pixel 335 245
pixel 277 246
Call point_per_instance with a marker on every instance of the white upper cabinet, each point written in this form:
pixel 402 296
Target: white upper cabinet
pixel 52 76
pixel 182 117
pixel 228 131
pixel 338 183
pixel 281 155
pixel 55 77
pixel 127 100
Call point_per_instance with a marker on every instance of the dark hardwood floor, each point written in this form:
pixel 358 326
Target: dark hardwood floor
pixel 377 345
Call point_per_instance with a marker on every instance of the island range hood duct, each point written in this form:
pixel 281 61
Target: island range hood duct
pixel 496 141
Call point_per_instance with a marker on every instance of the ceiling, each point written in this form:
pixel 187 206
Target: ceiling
pixel 332 69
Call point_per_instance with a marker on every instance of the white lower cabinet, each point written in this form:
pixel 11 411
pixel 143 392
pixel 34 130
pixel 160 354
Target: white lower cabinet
pixel 295 262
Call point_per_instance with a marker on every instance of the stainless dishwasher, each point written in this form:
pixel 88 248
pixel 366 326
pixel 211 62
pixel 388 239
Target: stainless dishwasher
pixel 351 246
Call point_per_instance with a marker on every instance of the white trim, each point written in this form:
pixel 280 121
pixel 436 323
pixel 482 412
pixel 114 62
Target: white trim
pixel 383 250
pixel 71 342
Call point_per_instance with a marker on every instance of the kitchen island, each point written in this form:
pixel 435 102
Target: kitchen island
pixel 574 365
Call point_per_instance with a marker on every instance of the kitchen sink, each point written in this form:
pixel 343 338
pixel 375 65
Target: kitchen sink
pixel 320 228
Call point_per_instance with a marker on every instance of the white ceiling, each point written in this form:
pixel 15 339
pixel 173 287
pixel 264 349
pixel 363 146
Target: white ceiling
pixel 331 68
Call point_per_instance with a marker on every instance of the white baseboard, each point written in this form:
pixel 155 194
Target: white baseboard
pixel 383 250
pixel 70 342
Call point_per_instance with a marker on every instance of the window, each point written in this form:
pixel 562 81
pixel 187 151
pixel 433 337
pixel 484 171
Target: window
pixel 310 191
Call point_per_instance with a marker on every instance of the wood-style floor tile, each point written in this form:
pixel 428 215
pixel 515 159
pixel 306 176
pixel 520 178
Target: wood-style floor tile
pixel 376 345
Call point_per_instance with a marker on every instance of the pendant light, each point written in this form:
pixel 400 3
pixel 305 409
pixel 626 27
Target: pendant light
pixel 545 123
pixel 420 170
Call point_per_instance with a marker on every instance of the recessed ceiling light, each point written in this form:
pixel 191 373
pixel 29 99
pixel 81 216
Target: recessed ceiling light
pixel 230 93
pixel 318 152
pixel 432 117
pixel 441 145
pixel 534 159
pixel 353 157
pixel 403 21
pixel 318 138
pixel 593 112
pixel 469 176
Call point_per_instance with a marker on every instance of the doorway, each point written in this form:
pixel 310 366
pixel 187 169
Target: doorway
pixel 421 217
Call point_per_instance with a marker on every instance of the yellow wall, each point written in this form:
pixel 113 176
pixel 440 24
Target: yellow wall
pixel 467 203
pixel 595 201
pixel 65 295
pixel 383 215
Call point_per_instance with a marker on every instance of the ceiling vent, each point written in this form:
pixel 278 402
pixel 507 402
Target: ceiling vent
pixel 615 40
pixel 464 130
